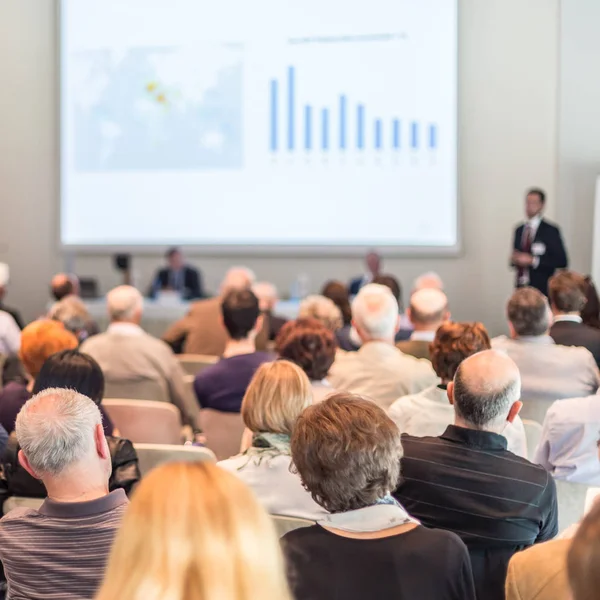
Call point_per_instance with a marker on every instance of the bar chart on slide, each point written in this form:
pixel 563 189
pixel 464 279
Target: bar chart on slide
pixel 344 124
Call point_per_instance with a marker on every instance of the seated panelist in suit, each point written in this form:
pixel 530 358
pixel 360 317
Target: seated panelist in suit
pixel 178 277
pixel 373 262
pixel 538 249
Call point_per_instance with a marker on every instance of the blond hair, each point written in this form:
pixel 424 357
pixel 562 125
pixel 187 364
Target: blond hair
pixel 193 531
pixel 277 394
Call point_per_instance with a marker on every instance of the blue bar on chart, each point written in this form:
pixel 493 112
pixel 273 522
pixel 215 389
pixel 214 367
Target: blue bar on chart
pixel 360 127
pixel 414 136
pixel 307 127
pixel 432 136
pixel 291 99
pixel 396 133
pixel 342 122
pixel 273 115
pixel 325 128
pixel 378 127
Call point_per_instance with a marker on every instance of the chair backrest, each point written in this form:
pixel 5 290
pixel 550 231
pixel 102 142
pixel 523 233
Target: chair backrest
pixel 152 455
pixel 571 503
pixel 196 363
pixel 533 434
pixel 145 421
pixel 223 432
pixel 285 524
pixel 136 389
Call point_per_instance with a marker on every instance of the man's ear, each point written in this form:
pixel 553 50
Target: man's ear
pixel 450 392
pixel 511 329
pixel 515 409
pixel 25 464
pixel 101 443
pixel 259 324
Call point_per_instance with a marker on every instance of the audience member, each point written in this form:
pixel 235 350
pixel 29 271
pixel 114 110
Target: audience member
pixel 428 281
pixel 267 298
pixel 567 299
pixel 60 550
pixel 39 340
pixel 567 447
pixel 310 345
pixel 405 325
pixel 222 386
pixel 378 369
pixel 63 285
pixel 548 371
pixel 373 263
pixel 178 277
pixel 135 364
pixel 346 451
pixel 323 310
pixel 337 292
pixel 10 334
pixel 430 412
pixel 583 560
pixel 591 311
pixel 70 369
pixel 468 482
pixel 276 396
pixel 201 331
pixel 13 312
pixel 428 310
pixel 74 315
pixel 194 532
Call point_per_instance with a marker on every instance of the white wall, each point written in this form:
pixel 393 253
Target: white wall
pixel 508 92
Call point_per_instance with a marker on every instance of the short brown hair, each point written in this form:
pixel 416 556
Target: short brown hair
pixel 583 560
pixel 347 452
pixel 309 344
pixel 453 343
pixel 528 312
pixel 567 291
pixel 337 292
pixel 276 395
pixel 393 284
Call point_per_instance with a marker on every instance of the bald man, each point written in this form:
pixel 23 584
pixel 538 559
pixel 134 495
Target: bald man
pixel 467 481
pixel 63 285
pixel 427 311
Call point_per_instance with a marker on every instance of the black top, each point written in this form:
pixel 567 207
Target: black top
pixel 188 282
pixel 570 333
pixel 554 256
pixel 419 564
pixel 466 481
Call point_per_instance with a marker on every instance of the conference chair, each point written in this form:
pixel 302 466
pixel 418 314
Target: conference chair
pixel 571 503
pixel 285 524
pixel 137 389
pixel 152 455
pixel 145 421
pixel 223 432
pixel 196 363
pixel 533 434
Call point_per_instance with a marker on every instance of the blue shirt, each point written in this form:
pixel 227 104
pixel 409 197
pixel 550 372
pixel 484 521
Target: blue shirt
pixel 222 386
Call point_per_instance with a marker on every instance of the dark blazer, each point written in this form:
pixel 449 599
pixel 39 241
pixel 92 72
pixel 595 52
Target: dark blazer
pixel 355 285
pixel 569 333
pixel 416 348
pixel 192 283
pixel 555 256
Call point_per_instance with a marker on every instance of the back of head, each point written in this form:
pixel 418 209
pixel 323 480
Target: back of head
pixel 428 281
pixel 337 292
pixel 528 312
pixel 322 309
pixel 193 531
pixel 71 369
pixel 567 291
pixel 124 303
pixel 237 278
pixel 55 430
pixel 428 308
pixel 583 560
pixel 390 282
pixel 347 452
pixel 453 343
pixel 267 295
pixel 591 311
pixel 375 313
pixel 276 395
pixel 40 340
pixel 240 309
pixel 309 344
pixel 61 286
pixel 486 385
pixel 71 312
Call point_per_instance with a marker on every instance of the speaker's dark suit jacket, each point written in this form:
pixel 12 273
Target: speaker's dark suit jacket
pixel 192 283
pixel 569 333
pixel 554 257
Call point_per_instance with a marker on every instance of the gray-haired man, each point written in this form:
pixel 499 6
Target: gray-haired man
pixel 60 550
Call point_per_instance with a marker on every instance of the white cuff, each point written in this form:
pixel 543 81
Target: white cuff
pixel 536 262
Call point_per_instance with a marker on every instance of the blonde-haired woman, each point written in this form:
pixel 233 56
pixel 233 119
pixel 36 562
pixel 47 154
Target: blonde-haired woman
pixel 194 532
pixel 277 394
